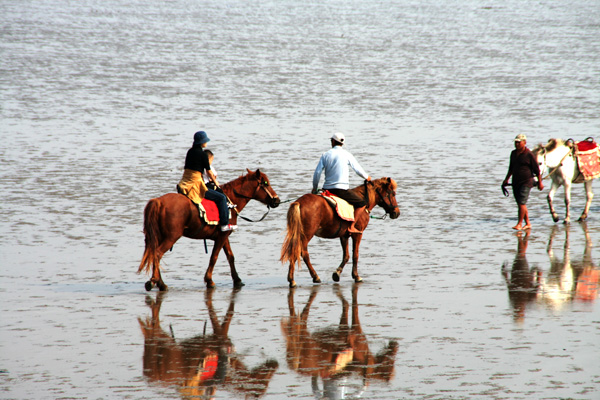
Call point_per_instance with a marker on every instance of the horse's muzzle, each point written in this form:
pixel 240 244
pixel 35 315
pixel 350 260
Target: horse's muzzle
pixel 275 202
pixel 395 213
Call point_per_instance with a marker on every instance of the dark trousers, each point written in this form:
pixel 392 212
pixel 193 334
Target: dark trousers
pixel 221 201
pixel 349 196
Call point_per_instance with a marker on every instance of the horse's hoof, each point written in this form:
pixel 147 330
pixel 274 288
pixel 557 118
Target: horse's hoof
pixel 292 284
pixel 238 284
pixel 149 285
pixel 335 276
pixel 566 221
pixel 162 287
pixel 358 279
pixel 210 285
pixel 582 218
pixel 555 217
pixel 317 280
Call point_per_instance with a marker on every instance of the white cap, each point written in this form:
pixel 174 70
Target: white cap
pixel 338 137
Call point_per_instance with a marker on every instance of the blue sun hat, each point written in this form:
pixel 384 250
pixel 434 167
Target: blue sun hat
pixel 201 137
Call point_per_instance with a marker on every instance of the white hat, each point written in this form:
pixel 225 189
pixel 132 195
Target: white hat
pixel 338 137
pixel 520 137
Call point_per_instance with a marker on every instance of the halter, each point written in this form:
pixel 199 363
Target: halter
pixel 388 196
pixel 261 184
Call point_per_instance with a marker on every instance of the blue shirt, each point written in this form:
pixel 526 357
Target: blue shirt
pixel 335 162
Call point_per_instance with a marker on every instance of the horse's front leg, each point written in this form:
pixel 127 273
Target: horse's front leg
pixel 550 198
pixel 219 243
pixel 237 282
pixel 589 195
pixel 345 258
pixel 568 202
pixel 356 238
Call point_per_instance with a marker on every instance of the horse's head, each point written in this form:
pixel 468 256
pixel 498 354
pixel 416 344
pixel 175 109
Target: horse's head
pixel 263 191
pixel 385 196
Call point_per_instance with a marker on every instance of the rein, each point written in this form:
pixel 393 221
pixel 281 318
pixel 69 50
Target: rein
pixel 380 195
pixel 243 196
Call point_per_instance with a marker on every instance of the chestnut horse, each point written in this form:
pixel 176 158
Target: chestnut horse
pixel 200 365
pixel 334 352
pixel 312 215
pixel 173 215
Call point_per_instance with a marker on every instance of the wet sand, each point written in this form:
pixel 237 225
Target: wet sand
pixel 100 105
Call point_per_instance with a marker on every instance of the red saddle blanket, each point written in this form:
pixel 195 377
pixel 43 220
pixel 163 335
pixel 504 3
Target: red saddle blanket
pixel 344 209
pixel 209 212
pixel 588 159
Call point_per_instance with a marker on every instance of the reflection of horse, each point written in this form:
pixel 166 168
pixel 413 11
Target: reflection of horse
pixel 312 215
pixel 201 364
pixel 567 279
pixel 558 157
pixel 334 353
pixel 522 282
pixel 171 216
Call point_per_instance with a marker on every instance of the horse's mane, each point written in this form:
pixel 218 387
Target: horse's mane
pixel 552 144
pixel 377 184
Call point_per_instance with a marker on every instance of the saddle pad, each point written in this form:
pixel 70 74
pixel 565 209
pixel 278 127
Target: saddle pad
pixel 209 211
pixel 588 161
pixel 344 209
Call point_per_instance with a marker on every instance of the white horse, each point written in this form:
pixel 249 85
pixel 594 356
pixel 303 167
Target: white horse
pixel 557 156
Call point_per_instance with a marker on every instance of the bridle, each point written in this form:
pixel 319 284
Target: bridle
pixel 262 184
pixel 387 197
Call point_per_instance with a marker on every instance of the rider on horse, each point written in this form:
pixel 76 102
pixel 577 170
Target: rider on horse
pixel 192 182
pixel 335 163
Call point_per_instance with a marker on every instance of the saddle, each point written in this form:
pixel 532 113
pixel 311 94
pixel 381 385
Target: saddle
pixel 587 154
pixel 343 209
pixel 209 212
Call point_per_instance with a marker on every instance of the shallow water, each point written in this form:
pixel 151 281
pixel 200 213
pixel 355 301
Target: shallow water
pixel 99 103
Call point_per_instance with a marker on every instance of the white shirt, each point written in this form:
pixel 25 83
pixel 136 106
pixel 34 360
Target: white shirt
pixel 335 162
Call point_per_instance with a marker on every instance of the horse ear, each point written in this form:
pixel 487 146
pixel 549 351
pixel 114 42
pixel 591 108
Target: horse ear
pixel 248 171
pixel 257 173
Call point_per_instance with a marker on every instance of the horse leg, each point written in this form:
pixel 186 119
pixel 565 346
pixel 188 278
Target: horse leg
pixel 156 278
pixel 551 193
pixel 568 202
pixel 237 282
pixel 219 243
pixel 290 278
pixel 311 270
pixel 356 238
pixel 589 195
pixel 345 258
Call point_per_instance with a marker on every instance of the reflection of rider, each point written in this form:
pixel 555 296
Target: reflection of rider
pixel 523 283
pixel 335 163
pixel 192 183
pixel 334 354
pixel 200 364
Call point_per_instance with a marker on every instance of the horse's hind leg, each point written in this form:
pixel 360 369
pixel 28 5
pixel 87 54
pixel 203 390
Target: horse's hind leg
pixel 311 270
pixel 156 278
pixel 589 195
pixel 345 258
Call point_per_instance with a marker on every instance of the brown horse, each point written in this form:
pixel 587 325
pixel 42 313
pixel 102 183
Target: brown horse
pixel 334 352
pixel 173 215
pixel 200 365
pixel 312 215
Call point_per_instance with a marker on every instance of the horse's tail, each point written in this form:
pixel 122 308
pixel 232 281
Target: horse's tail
pixel 153 235
pixel 291 251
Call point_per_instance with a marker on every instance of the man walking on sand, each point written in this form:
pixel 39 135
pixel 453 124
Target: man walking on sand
pixel 523 167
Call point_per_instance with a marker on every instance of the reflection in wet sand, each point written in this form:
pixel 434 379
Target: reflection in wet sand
pixel 201 364
pixel 334 354
pixel 522 282
pixel 567 280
